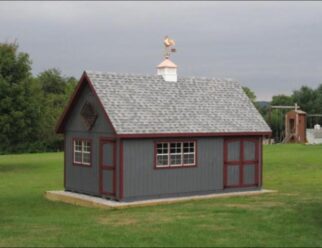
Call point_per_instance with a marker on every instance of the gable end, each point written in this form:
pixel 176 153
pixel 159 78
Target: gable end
pixel 83 82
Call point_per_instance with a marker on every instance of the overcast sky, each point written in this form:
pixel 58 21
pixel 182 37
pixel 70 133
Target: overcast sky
pixel 271 47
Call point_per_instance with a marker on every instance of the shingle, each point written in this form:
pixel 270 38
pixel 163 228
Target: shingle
pixel 147 104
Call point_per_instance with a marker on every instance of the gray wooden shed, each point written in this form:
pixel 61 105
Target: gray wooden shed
pixel 132 137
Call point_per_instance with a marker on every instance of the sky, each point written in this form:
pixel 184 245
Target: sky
pixel 271 47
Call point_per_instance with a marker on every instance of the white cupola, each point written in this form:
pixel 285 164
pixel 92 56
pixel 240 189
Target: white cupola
pixel 168 70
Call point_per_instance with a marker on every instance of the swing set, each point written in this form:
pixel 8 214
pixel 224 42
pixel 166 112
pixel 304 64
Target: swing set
pixel 278 125
pixel 290 124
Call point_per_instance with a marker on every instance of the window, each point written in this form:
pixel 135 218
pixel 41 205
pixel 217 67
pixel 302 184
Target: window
pixel 175 154
pixel 82 152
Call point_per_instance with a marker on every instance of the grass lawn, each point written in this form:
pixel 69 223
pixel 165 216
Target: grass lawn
pixel 291 217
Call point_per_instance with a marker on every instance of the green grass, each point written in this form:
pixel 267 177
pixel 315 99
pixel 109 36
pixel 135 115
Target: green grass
pixel 291 217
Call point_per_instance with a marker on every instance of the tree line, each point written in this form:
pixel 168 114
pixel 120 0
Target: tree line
pixel 307 98
pixel 30 105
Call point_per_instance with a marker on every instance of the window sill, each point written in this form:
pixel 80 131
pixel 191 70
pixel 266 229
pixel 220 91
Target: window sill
pixel 175 167
pixel 82 165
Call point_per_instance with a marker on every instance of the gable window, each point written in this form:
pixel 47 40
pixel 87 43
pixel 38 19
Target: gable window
pixel 82 152
pixel 175 154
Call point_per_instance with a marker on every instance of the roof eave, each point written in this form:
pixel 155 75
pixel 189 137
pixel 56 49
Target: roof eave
pixel 212 134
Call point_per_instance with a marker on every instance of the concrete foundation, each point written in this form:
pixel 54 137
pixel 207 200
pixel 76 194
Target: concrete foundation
pixel 97 202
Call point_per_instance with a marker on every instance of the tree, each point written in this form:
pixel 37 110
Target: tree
pixel 19 112
pixel 52 82
pixel 56 90
pixel 306 98
pixel 318 101
pixel 282 100
pixel 251 95
pixel 29 106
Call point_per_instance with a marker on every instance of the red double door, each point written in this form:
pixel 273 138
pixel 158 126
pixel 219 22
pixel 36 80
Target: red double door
pixel 241 162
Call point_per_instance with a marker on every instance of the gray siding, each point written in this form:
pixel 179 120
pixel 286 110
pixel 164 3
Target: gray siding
pixel 249 174
pixel 234 151
pixel 142 180
pixel 75 122
pixel 233 154
pixel 233 175
pixel 249 150
pixel 108 180
pixel 260 162
pixel 80 178
pixel 84 179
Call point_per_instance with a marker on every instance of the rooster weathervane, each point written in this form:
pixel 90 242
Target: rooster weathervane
pixel 168 45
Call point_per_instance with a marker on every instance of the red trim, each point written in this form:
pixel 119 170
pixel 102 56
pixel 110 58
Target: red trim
pixel 121 182
pixel 103 167
pixel 241 168
pixel 196 153
pixel 167 135
pixel 82 82
pixel 225 162
pixel 100 182
pixel 257 164
pixel 154 154
pixel 91 154
pixel 241 163
pixel 235 162
pixel 65 161
pixel 261 166
pixel 174 166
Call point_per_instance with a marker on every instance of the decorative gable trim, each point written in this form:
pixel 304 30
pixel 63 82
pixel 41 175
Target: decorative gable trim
pixel 60 126
pixel 88 115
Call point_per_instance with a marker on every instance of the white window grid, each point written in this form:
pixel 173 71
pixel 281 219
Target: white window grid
pixel 82 148
pixel 163 154
pixel 174 154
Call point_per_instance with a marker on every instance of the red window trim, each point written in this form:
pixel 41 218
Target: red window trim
pixel 175 166
pixel 91 154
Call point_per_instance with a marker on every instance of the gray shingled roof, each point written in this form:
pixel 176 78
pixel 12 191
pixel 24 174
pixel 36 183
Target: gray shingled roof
pixel 144 104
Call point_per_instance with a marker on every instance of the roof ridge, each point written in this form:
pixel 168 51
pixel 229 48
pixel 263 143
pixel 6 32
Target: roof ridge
pixel 118 73
pixel 158 76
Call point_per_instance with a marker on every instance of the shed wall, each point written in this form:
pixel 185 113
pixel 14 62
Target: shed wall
pixel 143 181
pixel 80 178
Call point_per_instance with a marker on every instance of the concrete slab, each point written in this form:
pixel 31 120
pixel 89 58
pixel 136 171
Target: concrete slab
pixel 92 201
